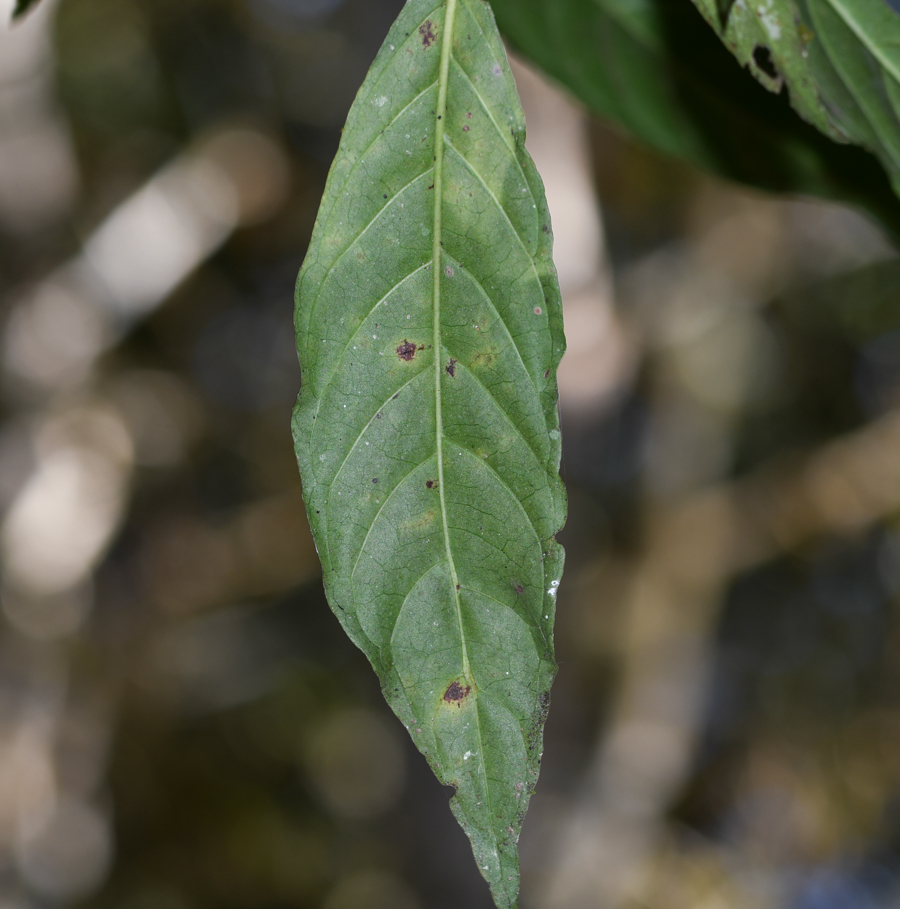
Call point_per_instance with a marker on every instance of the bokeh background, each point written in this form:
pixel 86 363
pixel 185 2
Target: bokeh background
pixel 182 723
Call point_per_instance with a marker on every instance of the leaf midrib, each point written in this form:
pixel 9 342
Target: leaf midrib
pixel 436 259
pixel 437 237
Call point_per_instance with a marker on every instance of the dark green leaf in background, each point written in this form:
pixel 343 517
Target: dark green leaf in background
pixel 655 67
pixel 838 59
pixel 22 7
pixel 429 330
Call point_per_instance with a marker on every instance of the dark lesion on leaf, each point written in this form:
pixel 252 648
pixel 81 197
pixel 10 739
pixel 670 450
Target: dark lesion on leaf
pixel 456 693
pixel 407 350
pixel 427 33
pixel 451 368
pixel 431 484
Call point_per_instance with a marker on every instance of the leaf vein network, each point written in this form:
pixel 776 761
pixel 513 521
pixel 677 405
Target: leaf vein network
pixel 499 315
pixel 327 384
pixel 358 237
pixel 377 517
pixel 496 201
pixel 381 407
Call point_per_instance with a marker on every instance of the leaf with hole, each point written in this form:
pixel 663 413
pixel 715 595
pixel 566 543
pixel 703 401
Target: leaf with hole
pixel 656 68
pixel 838 59
pixel 429 330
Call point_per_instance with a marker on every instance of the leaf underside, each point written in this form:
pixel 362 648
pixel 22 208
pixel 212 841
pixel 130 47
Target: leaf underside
pixel 839 60
pixel 429 330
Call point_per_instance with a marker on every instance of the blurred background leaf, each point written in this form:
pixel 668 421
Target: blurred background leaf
pixel 839 61
pixel 22 7
pixel 653 67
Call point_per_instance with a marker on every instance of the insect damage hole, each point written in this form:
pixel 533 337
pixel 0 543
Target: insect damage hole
pixel 456 694
pixel 762 57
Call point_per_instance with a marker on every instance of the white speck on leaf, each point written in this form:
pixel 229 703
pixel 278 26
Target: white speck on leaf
pixel 769 19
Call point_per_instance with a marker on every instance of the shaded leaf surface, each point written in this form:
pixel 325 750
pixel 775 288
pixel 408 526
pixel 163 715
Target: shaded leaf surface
pixel 429 330
pixel 654 67
pixel 839 59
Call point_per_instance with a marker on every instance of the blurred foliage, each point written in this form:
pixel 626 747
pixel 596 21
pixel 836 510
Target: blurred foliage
pixel 22 7
pixel 657 68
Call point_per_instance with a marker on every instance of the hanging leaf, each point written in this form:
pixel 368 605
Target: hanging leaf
pixel 656 68
pixel 838 59
pixel 429 330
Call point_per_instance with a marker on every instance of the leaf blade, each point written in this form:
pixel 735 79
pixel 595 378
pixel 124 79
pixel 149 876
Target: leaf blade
pixel 429 331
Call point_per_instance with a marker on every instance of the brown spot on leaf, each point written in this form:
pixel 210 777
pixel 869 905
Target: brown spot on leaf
pixel 547 374
pixel 407 350
pixel 519 589
pixel 456 694
pixel 430 484
pixel 427 33
pixel 451 368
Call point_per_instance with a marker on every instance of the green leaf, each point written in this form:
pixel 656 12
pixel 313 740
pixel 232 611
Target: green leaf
pixel 656 68
pixel 724 7
pixel 839 59
pixel 429 330
pixel 22 7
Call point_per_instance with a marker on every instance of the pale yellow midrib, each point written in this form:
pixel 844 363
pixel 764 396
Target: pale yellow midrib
pixel 443 79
